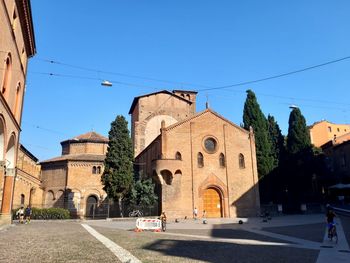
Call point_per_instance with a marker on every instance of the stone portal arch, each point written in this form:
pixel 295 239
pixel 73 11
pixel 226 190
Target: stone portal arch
pixel 220 196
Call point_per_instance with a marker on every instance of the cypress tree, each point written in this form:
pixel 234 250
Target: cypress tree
pixel 277 140
pixel 253 116
pixel 298 138
pixel 117 177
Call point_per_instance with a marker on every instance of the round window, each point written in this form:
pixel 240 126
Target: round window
pixel 210 145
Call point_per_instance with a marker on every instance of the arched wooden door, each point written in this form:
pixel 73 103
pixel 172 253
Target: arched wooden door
pixel 212 203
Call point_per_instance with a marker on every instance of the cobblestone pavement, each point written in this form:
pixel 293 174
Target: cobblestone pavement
pixel 282 239
pixel 51 242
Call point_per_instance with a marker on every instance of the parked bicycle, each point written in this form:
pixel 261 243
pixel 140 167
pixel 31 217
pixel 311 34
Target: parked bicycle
pixel 135 213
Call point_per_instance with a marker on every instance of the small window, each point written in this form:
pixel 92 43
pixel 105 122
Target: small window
pixel 94 170
pixel 329 128
pixel 98 169
pixel 178 156
pixel 200 160
pixel 338 130
pixel 222 160
pixel 241 161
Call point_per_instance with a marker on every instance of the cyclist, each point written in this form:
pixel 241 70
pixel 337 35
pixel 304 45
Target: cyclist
pixel 163 220
pixel 330 220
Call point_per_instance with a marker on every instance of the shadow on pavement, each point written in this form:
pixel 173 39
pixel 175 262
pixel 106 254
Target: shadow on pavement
pixel 312 232
pixel 222 252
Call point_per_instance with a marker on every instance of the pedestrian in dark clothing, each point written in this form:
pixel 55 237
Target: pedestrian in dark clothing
pixel 28 213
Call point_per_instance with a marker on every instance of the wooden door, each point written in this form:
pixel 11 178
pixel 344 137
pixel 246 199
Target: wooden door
pixel 212 203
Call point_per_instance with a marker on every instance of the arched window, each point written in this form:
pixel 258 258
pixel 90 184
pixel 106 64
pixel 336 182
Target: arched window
pixel 178 156
pixel 22 199
pixel 16 109
pixel 241 161
pixel 98 169
pixel 222 160
pixel 94 170
pixel 200 160
pixel 7 76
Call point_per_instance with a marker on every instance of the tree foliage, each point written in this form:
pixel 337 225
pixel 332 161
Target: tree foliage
pixel 142 193
pixel 277 140
pixel 253 116
pixel 298 139
pixel 117 177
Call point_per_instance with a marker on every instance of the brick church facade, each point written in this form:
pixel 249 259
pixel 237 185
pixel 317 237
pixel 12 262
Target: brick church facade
pixel 197 160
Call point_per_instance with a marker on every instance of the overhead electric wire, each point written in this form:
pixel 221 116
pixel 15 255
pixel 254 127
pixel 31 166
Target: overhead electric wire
pixel 91 78
pixel 122 74
pixel 199 90
pixel 277 76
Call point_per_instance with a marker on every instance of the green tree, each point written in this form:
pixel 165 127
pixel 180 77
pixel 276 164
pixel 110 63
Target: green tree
pixel 298 139
pixel 253 116
pixel 117 177
pixel 142 193
pixel 277 140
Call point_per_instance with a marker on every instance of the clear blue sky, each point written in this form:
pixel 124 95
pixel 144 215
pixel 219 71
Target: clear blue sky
pixel 206 43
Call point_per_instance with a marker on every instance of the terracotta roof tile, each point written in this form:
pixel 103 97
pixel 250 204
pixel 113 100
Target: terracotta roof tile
pixel 91 137
pixel 76 157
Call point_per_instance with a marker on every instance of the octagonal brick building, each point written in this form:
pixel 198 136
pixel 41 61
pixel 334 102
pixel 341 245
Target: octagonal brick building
pixel 73 180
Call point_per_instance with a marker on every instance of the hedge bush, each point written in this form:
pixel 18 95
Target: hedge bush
pixel 48 213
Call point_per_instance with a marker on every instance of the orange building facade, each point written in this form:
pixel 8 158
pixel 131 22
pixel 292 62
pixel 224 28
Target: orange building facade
pixel 17 45
pixel 324 131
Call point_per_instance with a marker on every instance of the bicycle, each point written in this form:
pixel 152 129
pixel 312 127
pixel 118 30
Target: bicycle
pixel 332 233
pixel 135 213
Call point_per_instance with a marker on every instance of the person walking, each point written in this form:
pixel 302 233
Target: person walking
pixel 195 213
pixel 163 221
pixel 20 214
pixel 28 213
